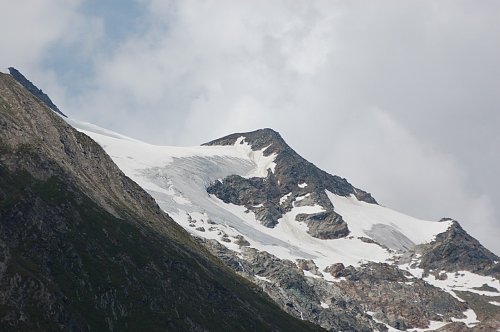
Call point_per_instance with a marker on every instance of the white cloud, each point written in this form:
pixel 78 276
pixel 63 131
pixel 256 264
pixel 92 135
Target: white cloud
pixel 34 31
pixel 378 153
pixel 403 96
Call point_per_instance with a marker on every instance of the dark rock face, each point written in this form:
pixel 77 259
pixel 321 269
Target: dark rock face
pixel 291 171
pixel 325 225
pixel 291 168
pixel 82 247
pixel 456 250
pixel 38 93
pixel 250 193
pixel 335 270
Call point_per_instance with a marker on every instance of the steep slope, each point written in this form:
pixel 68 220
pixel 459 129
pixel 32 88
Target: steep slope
pixel 38 93
pixel 277 220
pixel 82 247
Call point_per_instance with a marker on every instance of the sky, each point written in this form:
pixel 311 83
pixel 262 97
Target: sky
pixel 402 98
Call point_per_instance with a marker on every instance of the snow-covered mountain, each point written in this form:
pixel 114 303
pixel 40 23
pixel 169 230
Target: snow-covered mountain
pixel 84 248
pixel 253 201
pixel 322 249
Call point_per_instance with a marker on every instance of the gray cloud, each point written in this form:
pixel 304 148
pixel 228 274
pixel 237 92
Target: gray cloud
pixel 399 97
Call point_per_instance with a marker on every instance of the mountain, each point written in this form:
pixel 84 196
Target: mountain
pixel 38 93
pixel 321 248
pixel 84 248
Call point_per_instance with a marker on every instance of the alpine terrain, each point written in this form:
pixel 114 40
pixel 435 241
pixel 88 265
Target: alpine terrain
pixel 84 248
pixel 76 232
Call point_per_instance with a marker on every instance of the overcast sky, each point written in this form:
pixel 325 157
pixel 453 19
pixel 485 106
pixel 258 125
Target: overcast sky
pixel 400 97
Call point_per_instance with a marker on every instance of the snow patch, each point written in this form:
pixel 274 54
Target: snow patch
pixel 465 281
pixel 362 218
pixel 413 269
pixel 89 127
pixel 302 185
pixel 433 325
pixel 262 162
pixel 470 318
pixel 310 274
pixel 284 198
pixel 389 328
pixel 263 278
pixel 300 198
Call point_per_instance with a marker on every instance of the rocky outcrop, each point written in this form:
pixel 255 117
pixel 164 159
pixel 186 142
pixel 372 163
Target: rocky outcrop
pixel 303 182
pixel 325 225
pixel 455 250
pixel 256 194
pixel 38 93
pixel 82 247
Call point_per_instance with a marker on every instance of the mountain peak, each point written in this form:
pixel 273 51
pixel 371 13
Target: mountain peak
pixel 258 139
pixel 34 90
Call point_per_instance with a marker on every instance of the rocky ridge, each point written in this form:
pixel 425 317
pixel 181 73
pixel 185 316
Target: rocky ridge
pixel 38 93
pixel 456 250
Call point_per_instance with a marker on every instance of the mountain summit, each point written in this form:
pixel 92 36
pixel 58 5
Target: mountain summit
pixel 291 175
pixel 265 138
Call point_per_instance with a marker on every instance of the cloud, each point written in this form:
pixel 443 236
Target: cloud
pixel 399 97
pixel 378 152
pixel 37 32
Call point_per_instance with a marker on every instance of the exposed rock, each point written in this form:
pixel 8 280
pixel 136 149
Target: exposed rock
pixel 262 195
pixel 200 229
pixel 401 303
pixel 487 288
pixel 455 250
pixel 325 225
pixel 308 265
pixel 38 93
pixel 297 294
pixel 335 269
pixel 241 241
pixel 393 295
pixel 442 276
